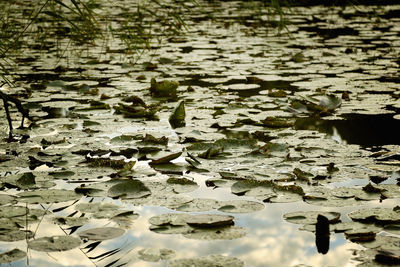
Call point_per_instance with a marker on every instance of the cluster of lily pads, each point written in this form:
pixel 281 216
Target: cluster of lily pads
pixel 139 136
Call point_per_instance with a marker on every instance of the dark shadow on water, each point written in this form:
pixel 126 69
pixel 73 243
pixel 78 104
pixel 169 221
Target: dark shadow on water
pixel 361 129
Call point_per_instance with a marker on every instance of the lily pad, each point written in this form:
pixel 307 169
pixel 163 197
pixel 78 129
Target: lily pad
pixel 218 233
pixel 177 118
pixel 154 255
pixel 164 88
pixel 209 261
pixel 47 196
pixel 129 189
pixel 380 215
pixel 166 159
pixel 12 255
pixel 240 206
pixel 182 185
pixel 310 217
pixel 54 243
pixel 101 233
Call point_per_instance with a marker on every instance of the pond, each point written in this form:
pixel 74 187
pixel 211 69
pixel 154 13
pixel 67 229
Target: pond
pixel 227 145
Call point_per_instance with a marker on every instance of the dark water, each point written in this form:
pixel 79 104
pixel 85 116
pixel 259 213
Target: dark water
pixel 360 129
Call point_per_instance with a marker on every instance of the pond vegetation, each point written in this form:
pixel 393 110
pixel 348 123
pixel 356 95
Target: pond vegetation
pixel 207 133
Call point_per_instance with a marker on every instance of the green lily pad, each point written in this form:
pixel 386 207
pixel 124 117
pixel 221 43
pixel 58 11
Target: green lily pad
pixel 240 206
pixel 310 217
pixel 177 118
pixel 199 204
pixel 218 233
pixel 166 159
pixel 12 211
pixel 209 220
pixel 164 88
pixel 5 199
pixel 182 185
pixel 101 210
pixel 12 255
pixel 129 189
pixel 54 243
pixel 101 233
pixel 47 196
pixel 70 221
pixel 380 215
pixel 209 261
pixel 154 255
pixel 16 235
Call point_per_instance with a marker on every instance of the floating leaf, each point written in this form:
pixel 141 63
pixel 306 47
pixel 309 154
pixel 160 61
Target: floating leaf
pixel 240 206
pixel 165 88
pixel 54 243
pixel 154 255
pixel 12 255
pixel 70 221
pixel 182 185
pixel 166 159
pixel 209 261
pixel 310 217
pixel 47 196
pixel 218 233
pixel 381 215
pixel 16 235
pixel 101 233
pixel 177 118
pixel 129 189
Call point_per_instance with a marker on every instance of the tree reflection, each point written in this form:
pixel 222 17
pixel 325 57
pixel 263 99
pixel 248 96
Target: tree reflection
pixel 322 234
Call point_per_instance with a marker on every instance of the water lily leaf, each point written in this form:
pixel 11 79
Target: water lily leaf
pixel 240 206
pixel 360 235
pixel 209 261
pixel 166 159
pixel 380 215
pixel 101 233
pixel 129 189
pixel 47 196
pixel 182 185
pixel 154 255
pixel 149 139
pixel 275 122
pixel 177 118
pixel 26 180
pixel 70 221
pixel 12 211
pixel 218 233
pixel 12 255
pixel 54 243
pixel 253 188
pixel 16 235
pixel 110 163
pixel 164 88
pixel 5 199
pixel 199 204
pixel 102 210
pixel 310 217
pixel 211 152
pixel 209 220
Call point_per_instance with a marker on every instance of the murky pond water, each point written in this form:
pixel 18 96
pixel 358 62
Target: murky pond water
pixel 241 150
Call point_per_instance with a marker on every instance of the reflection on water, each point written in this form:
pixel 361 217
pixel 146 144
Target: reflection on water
pixel 270 241
pixel 361 129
